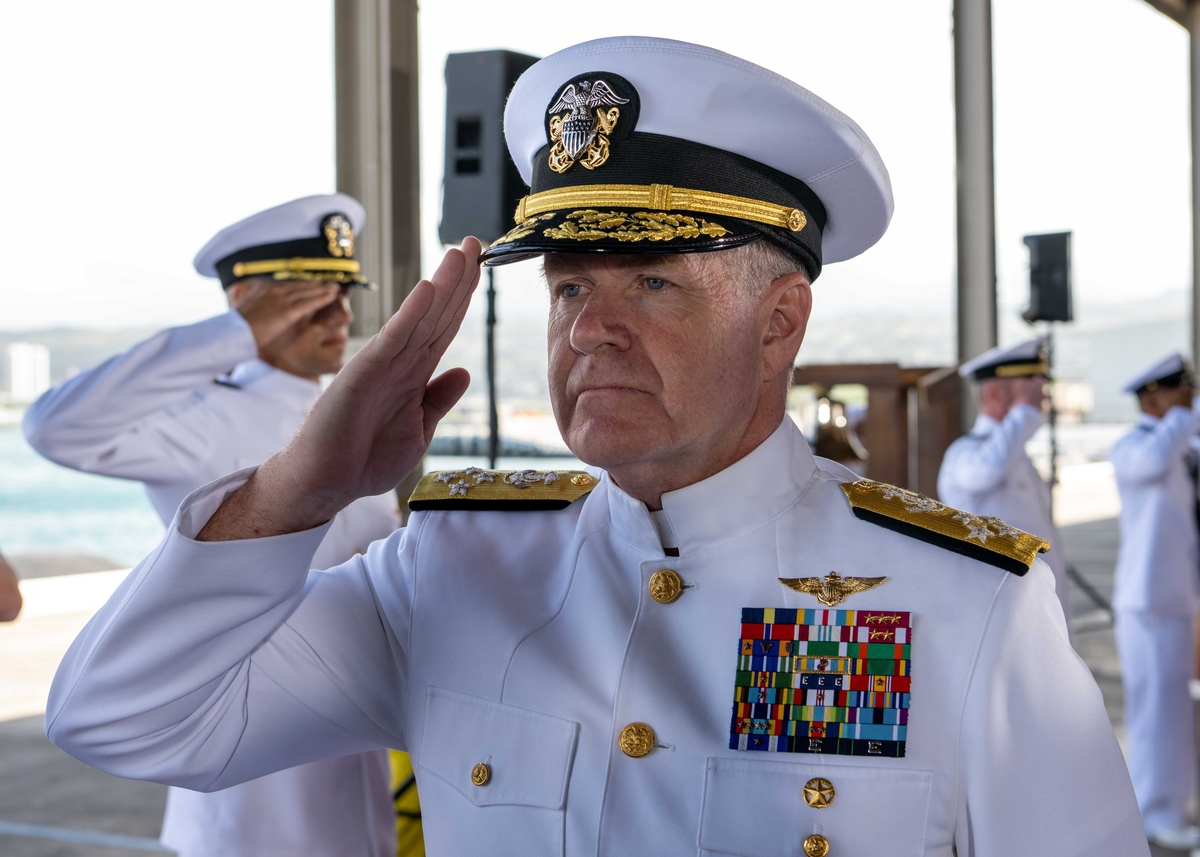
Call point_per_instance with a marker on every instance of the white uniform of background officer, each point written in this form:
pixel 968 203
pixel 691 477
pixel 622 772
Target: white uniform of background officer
pixel 194 403
pixel 1155 595
pixel 988 471
pixel 569 677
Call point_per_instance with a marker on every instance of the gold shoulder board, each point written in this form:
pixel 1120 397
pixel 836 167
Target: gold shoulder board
pixel 479 490
pixel 980 537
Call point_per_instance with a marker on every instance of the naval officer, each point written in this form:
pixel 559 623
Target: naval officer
pixel 987 470
pixel 710 641
pixel 194 403
pixel 1155 596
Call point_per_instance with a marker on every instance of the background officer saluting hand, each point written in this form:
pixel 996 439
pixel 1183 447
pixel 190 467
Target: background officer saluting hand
pixel 194 403
pixel 1156 594
pixel 711 641
pixel 987 470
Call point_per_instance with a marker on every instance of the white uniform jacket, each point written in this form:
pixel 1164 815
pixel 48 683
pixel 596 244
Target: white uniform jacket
pixel 166 413
pixel 528 641
pixel 1157 566
pixel 989 473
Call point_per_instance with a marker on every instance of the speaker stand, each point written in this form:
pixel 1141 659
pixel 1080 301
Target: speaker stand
pixel 493 416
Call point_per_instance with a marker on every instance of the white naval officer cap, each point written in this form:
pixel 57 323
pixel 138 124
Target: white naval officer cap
pixel 1171 371
pixel 311 238
pixel 646 145
pixel 1009 361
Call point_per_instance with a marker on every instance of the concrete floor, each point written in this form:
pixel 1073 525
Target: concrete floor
pixel 40 785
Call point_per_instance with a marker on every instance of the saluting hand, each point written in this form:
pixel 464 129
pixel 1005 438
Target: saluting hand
pixel 271 308
pixel 373 424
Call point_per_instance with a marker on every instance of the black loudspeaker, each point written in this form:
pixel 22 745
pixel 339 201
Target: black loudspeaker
pixel 1049 277
pixel 481 187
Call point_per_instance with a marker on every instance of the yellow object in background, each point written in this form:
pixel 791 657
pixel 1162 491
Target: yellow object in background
pixel 409 841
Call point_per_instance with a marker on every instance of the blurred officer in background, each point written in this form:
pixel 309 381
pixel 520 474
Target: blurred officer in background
pixel 1155 596
pixel 988 471
pixel 10 593
pixel 194 403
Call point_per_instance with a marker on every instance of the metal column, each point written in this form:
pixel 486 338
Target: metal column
pixel 1192 19
pixel 375 65
pixel 976 181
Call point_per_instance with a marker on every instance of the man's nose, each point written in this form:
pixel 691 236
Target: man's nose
pixel 338 313
pixel 602 323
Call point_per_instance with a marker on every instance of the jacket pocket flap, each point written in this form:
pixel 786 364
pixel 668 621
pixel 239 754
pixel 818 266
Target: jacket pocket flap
pixel 528 754
pixel 758 809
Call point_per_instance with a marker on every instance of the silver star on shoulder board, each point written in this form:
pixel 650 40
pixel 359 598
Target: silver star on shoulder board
pixel 833 589
pixel 982 533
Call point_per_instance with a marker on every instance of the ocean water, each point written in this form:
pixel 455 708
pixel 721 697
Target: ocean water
pixel 47 508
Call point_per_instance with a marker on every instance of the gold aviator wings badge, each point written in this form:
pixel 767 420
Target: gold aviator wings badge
pixel 833 588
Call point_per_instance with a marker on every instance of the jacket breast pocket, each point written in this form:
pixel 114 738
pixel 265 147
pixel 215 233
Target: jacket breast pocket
pixel 768 809
pixel 500 776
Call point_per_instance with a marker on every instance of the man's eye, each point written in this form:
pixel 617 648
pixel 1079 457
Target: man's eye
pixel 654 284
pixel 571 290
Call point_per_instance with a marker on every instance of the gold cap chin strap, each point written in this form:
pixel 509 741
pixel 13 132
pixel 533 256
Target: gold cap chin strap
pixel 1020 370
pixel 298 265
pixel 661 197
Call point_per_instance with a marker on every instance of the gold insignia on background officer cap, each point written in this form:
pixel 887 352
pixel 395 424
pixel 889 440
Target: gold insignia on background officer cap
pixel 479 490
pixel 980 537
pixel 307 239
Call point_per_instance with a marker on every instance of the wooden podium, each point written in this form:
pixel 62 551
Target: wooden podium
pixel 912 416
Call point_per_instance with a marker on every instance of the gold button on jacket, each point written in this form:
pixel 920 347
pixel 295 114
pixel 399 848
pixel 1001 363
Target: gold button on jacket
pixel 665 586
pixel 637 740
pixel 816 846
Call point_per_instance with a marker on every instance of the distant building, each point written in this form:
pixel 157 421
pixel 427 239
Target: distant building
pixel 28 371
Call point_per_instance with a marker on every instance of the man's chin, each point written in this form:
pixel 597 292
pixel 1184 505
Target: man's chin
pixel 612 445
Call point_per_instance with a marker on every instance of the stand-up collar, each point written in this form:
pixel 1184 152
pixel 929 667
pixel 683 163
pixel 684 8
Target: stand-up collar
pixel 745 495
pixel 265 380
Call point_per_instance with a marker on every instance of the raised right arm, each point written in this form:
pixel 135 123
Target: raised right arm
pixel 978 465
pixel 221 658
pixel 1147 453
pixel 214 664
pixel 103 420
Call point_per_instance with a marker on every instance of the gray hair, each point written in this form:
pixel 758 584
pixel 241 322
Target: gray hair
pixel 756 265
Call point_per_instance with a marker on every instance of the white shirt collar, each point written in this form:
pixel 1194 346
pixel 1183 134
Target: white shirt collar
pixel 747 494
pixel 265 379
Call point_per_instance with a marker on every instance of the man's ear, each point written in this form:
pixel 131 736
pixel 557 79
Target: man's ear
pixel 789 303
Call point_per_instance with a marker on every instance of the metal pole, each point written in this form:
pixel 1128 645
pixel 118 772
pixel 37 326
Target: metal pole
pixel 1053 418
pixel 976 183
pixel 1192 17
pixel 493 416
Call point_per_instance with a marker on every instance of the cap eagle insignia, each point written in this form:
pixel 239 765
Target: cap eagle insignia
pixel 340 235
pixel 585 128
pixel 833 589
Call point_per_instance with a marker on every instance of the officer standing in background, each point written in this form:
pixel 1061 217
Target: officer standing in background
pixel 194 403
pixel 987 471
pixel 1155 596
pixel 707 642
